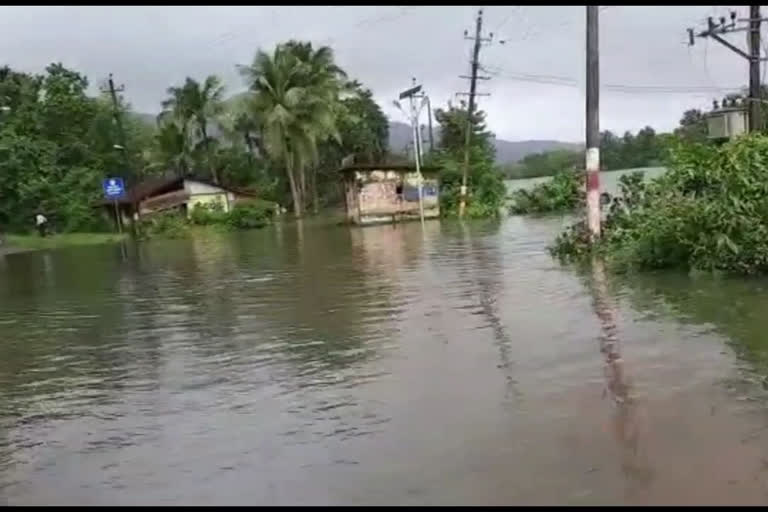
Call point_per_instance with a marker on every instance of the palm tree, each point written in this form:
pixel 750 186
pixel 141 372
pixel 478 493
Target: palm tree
pixel 238 123
pixel 198 104
pixel 172 148
pixel 295 98
pixel 321 69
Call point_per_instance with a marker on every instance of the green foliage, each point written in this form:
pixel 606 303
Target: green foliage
pixel 251 214
pixel 190 108
pixel 363 127
pixel 693 126
pixel 548 163
pixel 56 145
pixel 563 193
pixel 708 212
pixel 646 149
pixel 208 214
pixel 170 224
pixel 485 183
pixel 244 215
pixel 284 139
pixel 296 96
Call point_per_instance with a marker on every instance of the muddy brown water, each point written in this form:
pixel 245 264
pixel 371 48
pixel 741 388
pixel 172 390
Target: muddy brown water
pixel 383 365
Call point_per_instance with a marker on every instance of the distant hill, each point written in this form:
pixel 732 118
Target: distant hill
pixel 507 152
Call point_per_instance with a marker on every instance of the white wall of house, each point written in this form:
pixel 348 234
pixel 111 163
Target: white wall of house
pixel 203 193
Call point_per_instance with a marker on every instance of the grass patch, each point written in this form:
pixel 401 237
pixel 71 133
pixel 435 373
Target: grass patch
pixel 57 241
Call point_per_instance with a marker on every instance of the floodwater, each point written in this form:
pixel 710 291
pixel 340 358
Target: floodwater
pixel 609 181
pixel 385 365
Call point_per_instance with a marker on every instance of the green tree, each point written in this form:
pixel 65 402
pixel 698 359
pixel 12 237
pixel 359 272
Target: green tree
pixel 52 153
pixel 485 183
pixel 198 104
pixel 296 104
pixel 693 126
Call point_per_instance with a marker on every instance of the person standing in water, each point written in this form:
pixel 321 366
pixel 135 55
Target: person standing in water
pixel 42 224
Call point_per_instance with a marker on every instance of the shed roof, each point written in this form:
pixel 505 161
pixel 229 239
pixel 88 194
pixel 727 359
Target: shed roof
pixel 161 184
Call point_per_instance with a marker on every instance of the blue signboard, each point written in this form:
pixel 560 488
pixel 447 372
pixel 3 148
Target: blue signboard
pixel 113 188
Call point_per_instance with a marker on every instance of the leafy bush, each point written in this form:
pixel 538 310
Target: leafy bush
pixel 486 193
pixel 708 212
pixel 170 224
pixel 206 214
pixel 244 215
pixel 251 214
pixel 563 193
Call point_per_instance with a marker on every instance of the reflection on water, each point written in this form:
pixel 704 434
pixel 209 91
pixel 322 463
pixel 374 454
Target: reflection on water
pixel 628 409
pixel 309 364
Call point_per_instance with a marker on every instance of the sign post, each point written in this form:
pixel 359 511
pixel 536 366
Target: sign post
pixel 114 189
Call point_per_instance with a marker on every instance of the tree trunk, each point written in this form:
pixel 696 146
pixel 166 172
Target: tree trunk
pixel 248 143
pixel 315 198
pixel 214 172
pixel 303 183
pixel 294 190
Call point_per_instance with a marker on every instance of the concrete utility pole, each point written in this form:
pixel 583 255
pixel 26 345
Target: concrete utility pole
pixel 431 138
pixel 118 120
pixel 593 123
pixel 754 68
pixel 475 64
pixel 716 29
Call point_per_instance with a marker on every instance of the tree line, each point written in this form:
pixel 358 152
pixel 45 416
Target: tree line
pixel 646 148
pixel 283 138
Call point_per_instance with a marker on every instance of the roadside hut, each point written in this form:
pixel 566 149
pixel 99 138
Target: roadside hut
pixel 381 193
pixel 160 194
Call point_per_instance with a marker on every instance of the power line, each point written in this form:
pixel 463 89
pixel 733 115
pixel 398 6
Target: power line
pixel 572 82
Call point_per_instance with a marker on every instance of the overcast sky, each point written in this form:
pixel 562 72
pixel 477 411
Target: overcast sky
pixel 149 48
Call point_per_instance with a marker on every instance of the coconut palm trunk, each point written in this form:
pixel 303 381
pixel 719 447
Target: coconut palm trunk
pixel 315 197
pixel 294 189
pixel 211 165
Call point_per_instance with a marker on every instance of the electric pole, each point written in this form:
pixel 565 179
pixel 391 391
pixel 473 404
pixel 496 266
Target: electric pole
pixel 475 64
pixel 716 29
pixel 118 121
pixel 593 123
pixel 754 68
pixel 431 138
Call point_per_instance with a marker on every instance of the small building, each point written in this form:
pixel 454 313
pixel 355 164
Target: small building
pixel 380 193
pixel 156 195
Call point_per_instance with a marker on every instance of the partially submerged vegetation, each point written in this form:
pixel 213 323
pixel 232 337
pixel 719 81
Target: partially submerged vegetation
pixel 563 193
pixel 251 214
pixel 485 181
pixel 709 212
pixel 644 149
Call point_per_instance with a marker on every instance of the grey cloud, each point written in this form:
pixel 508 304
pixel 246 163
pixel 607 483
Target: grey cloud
pixel 150 48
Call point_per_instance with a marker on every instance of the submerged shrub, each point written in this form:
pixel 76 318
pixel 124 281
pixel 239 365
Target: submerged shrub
pixel 251 214
pixel 709 211
pixel 564 192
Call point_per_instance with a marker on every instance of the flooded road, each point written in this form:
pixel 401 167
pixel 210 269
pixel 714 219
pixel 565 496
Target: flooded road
pixel 383 365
